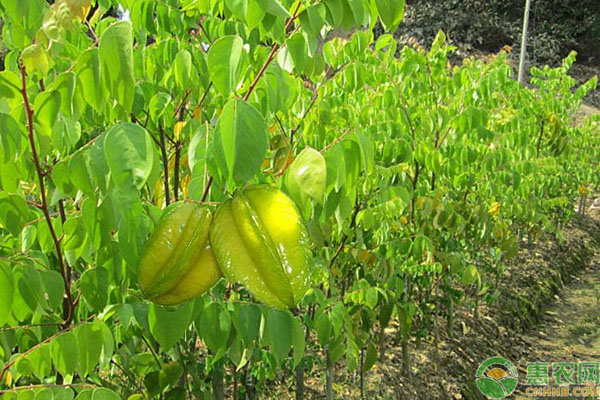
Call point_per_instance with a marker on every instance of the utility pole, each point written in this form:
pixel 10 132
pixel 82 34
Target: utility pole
pixel 524 42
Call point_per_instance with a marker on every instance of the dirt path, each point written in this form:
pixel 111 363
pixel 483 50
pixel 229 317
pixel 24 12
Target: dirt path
pixel 570 330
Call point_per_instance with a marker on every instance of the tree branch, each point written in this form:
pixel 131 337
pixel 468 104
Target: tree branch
pixel 337 140
pixel 68 301
pixel 163 152
pixel 274 50
pixel 270 58
pixel 345 237
pixel 48 339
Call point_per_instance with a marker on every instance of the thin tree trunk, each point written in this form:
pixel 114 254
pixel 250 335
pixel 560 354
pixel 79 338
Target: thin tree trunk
pixel 405 357
pixel 235 385
pixel 217 384
pixel 362 374
pixel 382 342
pixel 329 378
pixel 300 389
pixel 451 318
pixel 249 384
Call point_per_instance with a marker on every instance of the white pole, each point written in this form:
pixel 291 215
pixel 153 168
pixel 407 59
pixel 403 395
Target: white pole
pixel 524 42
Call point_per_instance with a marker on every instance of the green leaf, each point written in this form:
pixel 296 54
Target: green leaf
pixel 13 213
pixel 105 394
pixel 351 355
pixel 335 12
pixel 168 324
pixel 255 14
pixel 158 105
pixel 215 326
pixel 240 143
pixel 152 383
pixel 36 60
pixel 246 319
pixel 370 357
pixel 44 394
pixel 307 176
pixel 312 20
pixel 298 49
pixel 90 339
pixel 74 234
pixel 129 154
pixel 391 13
pixel 26 15
pixel 46 106
pixel 94 287
pixel 274 7
pixel 63 393
pixel 183 69
pixel 279 327
pixel 11 138
pixel 323 328
pixel 6 293
pixel 354 13
pixel 55 288
pixel 31 287
pixel 239 8
pixel 64 84
pixel 116 59
pixel 298 341
pixel 10 85
pixel 169 374
pixel 85 394
pixel 88 74
pixel 65 353
pixel 224 58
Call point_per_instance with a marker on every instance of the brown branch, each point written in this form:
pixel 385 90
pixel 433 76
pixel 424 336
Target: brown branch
pixel 48 339
pixel 337 140
pixel 274 50
pixel 34 204
pixel 152 351
pixel 183 102
pixel 128 375
pixel 328 76
pixel 68 302
pixel 49 385
pixel 270 58
pixel 91 30
pixel 539 142
pixel 205 32
pixel 30 326
pixel 414 187
pixel 312 103
pixel 205 94
pixel 345 237
pixel 206 189
pixel 178 149
pixel 163 152
pixel 281 128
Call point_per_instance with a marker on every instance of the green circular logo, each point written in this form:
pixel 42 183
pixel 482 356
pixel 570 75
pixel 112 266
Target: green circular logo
pixel 497 378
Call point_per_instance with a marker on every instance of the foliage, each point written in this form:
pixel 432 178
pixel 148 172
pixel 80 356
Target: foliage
pixel 416 181
pixel 556 27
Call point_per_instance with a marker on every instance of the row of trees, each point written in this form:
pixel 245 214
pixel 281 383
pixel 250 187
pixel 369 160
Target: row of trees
pixel 416 179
